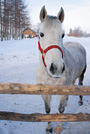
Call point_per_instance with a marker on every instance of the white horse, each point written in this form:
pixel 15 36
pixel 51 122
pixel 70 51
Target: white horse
pixel 59 63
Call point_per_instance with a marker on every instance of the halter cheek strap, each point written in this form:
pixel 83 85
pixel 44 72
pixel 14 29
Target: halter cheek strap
pixel 43 52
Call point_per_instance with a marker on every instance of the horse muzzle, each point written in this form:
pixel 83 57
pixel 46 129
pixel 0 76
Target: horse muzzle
pixel 55 71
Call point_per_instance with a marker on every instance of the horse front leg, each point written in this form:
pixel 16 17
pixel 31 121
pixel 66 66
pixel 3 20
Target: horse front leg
pixel 58 129
pixel 47 100
pixel 62 104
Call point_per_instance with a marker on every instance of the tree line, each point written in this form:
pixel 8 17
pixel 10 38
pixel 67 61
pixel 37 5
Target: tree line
pixel 13 19
pixel 77 32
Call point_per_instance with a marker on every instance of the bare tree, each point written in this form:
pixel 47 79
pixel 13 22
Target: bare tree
pixel 1 22
pixel 78 32
pixel 13 18
pixel 0 17
pixel 21 17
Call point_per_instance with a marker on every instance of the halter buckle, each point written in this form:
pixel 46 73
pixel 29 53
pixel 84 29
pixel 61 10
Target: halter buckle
pixel 43 54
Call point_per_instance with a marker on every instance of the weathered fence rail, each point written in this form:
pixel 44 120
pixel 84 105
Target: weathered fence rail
pixel 37 117
pixel 43 90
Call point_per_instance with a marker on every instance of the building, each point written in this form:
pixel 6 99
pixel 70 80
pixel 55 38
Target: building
pixel 28 32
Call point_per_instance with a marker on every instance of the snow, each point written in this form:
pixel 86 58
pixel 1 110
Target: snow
pixel 18 64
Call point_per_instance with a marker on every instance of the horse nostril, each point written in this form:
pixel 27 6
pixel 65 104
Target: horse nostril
pixel 53 68
pixel 63 69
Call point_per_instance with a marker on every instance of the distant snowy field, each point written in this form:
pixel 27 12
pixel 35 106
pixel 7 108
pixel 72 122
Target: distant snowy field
pixel 18 64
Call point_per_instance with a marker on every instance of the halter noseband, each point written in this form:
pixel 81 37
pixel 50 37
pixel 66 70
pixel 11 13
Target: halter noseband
pixel 43 52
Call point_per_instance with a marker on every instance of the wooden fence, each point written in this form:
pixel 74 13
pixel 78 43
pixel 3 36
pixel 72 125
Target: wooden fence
pixel 44 90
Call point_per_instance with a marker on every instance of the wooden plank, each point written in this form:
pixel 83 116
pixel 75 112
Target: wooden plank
pixel 37 117
pixel 11 88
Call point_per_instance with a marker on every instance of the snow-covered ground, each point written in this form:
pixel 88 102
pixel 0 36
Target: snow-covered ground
pixel 18 64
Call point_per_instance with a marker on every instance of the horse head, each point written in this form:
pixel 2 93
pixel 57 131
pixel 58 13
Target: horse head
pixel 51 42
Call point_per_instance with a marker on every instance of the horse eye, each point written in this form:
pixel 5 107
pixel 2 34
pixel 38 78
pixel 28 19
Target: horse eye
pixel 63 35
pixel 42 34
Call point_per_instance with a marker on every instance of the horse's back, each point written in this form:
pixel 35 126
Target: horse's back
pixel 75 45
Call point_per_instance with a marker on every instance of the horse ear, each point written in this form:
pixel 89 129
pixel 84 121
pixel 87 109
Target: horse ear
pixel 43 14
pixel 60 15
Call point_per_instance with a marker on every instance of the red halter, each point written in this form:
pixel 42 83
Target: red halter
pixel 43 52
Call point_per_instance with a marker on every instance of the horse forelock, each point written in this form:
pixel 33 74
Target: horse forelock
pixel 52 19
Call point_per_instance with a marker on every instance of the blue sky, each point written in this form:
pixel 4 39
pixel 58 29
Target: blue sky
pixel 77 12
